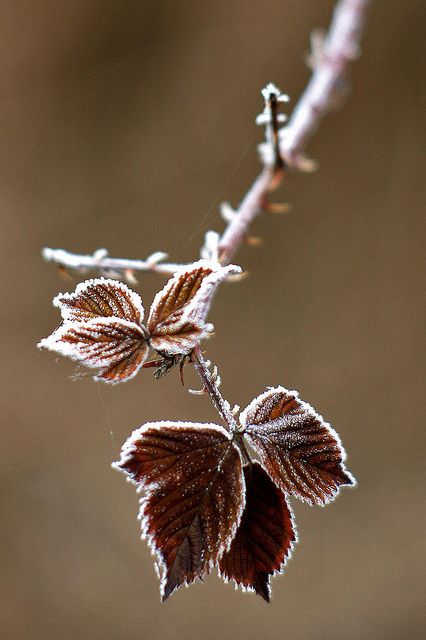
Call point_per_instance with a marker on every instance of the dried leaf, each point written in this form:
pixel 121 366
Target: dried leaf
pixel 176 321
pixel 100 298
pixel 192 476
pixel 187 295
pixel 301 452
pixel 181 336
pixel 265 537
pixel 116 347
pixel 200 509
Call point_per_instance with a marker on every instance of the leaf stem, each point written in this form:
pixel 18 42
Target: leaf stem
pixel 212 388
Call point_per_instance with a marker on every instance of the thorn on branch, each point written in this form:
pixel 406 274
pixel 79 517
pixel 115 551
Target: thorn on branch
pixel 64 273
pixel 227 212
pixel 210 249
pixel 316 57
pixel 305 164
pixel 197 392
pixel 254 241
pixel 216 377
pixel 157 257
pixel 99 254
pixel 130 277
pixel 278 207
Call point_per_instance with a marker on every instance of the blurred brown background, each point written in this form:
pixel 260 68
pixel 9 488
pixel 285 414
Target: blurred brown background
pixel 120 124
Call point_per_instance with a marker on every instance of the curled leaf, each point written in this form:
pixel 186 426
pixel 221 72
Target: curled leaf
pixel 265 537
pixel 187 296
pixel 194 495
pixel 180 337
pixel 301 452
pixel 177 316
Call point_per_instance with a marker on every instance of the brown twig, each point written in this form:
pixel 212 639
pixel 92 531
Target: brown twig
pixel 211 387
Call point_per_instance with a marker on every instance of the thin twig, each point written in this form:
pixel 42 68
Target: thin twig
pixel 102 263
pixel 329 61
pixel 250 207
pixel 212 388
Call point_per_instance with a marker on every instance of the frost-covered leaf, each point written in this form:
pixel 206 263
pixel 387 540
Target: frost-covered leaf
pixel 264 538
pixel 194 495
pixel 100 298
pixel 116 347
pixel 181 336
pixel 187 297
pixel 301 452
pixel 176 322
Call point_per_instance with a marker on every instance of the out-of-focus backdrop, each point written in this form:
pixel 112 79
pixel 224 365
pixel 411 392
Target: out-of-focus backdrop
pixel 123 125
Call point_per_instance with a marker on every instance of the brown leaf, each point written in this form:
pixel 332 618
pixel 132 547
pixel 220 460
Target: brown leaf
pixel 176 320
pixel 301 452
pixel 116 347
pixel 194 485
pixel 179 337
pixel 100 298
pixel 187 298
pixel 264 538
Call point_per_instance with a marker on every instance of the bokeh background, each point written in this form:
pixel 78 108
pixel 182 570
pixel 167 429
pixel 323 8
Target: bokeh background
pixel 124 124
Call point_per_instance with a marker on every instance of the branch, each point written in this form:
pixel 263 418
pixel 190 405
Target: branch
pixel 253 203
pixel 113 267
pixel 283 148
pixel 211 386
pixel 329 60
